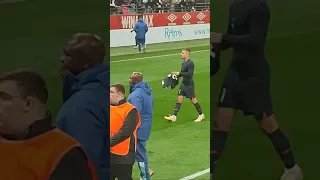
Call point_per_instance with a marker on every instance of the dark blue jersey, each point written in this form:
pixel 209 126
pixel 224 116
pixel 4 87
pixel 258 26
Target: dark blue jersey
pixel 170 81
pixel 246 34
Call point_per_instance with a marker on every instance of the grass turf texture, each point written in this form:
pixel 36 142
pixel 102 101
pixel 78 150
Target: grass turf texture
pixel 293 55
pixel 175 149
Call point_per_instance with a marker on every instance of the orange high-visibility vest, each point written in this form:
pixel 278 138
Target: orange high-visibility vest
pixel 117 116
pixel 35 158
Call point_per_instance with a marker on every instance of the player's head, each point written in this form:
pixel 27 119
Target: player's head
pixel 117 93
pixel 23 100
pixel 135 78
pixel 83 51
pixel 185 53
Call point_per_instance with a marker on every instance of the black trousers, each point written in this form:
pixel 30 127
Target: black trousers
pixel 121 171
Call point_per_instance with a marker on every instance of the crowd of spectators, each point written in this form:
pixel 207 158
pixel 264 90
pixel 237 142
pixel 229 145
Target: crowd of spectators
pixel 157 6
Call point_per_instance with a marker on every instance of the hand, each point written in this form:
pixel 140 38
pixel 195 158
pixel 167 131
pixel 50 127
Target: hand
pixel 176 73
pixel 215 38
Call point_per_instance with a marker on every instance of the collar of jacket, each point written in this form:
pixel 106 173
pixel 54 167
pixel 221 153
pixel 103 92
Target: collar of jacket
pixel 122 101
pixel 72 83
pixel 37 128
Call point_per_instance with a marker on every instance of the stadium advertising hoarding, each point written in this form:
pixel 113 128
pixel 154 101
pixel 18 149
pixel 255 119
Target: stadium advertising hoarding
pixel 123 37
pixel 163 27
pixel 160 19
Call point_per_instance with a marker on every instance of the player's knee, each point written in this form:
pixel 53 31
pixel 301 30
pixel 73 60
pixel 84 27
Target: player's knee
pixel 179 99
pixel 219 125
pixel 193 100
pixel 268 122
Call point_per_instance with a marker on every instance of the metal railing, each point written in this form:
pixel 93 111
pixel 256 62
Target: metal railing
pixel 135 8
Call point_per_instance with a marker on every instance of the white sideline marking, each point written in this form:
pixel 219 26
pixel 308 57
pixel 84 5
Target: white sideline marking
pixel 151 57
pixel 195 175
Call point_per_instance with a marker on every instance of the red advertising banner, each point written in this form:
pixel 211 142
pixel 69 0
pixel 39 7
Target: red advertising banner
pixel 160 19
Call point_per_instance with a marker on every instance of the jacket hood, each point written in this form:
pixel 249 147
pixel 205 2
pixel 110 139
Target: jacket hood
pixel 143 86
pixel 93 79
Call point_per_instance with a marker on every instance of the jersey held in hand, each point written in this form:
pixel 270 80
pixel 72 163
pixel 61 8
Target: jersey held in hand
pixel 170 80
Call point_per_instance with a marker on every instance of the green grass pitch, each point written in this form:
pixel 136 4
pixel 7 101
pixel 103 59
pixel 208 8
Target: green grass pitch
pixel 178 149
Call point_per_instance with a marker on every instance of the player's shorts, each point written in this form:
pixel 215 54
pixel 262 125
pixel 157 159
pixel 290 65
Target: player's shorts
pixel 141 41
pixel 187 91
pixel 250 95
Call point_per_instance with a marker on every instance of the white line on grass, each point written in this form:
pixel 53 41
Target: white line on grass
pixel 195 175
pixel 151 57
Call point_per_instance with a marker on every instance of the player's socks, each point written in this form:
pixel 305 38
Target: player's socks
pixel 282 145
pixel 198 107
pixel 218 141
pixel 176 109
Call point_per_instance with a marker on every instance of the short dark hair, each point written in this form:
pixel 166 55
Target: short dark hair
pixel 186 49
pixel 119 88
pixel 30 84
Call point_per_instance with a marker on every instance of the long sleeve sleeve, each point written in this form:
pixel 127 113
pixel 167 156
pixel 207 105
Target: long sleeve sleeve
pixel 259 28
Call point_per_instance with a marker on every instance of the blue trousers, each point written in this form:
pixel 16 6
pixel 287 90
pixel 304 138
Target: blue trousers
pixel 142 159
pixel 141 43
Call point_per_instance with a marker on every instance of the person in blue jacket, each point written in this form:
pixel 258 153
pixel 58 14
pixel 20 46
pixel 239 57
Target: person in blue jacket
pixel 85 111
pixel 141 29
pixel 142 98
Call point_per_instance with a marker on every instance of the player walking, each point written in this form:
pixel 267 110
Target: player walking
pixel 247 84
pixel 186 87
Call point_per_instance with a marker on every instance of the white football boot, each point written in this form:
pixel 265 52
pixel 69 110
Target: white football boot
pixel 295 173
pixel 200 118
pixel 171 118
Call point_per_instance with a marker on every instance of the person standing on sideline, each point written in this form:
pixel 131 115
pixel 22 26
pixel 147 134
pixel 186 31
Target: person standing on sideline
pixel 141 29
pixel 26 132
pixel 136 42
pixel 124 121
pixel 84 114
pixel 142 98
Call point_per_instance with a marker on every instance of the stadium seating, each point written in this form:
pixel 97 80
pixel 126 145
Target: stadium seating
pixel 157 6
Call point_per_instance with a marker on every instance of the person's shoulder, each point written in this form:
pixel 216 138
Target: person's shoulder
pixel 85 107
pixel 135 94
pixel 190 61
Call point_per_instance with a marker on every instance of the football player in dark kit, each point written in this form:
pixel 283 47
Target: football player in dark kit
pixel 246 86
pixel 186 87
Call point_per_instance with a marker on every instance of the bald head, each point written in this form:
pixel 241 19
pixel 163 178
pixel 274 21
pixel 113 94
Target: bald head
pixel 83 51
pixel 135 78
pixel 91 45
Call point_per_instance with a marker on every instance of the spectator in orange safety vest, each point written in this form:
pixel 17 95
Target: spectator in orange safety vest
pixel 30 148
pixel 124 121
